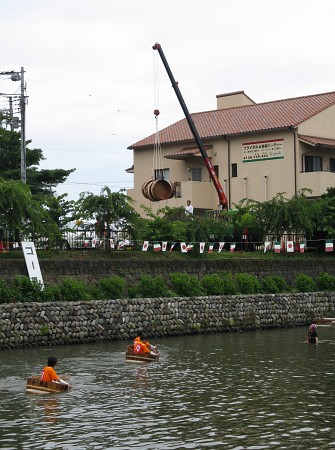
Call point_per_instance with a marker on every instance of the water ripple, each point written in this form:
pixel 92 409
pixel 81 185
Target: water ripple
pixel 227 391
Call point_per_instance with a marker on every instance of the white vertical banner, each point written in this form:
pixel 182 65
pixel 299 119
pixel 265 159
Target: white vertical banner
pixel 290 246
pixel 183 247
pixel 145 246
pixel 33 266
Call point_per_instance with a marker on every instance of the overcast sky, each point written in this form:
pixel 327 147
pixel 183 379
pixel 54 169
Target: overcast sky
pixel 89 69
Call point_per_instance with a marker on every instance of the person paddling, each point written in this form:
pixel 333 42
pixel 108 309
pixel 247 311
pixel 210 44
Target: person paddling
pixel 49 373
pixel 312 336
pixel 141 345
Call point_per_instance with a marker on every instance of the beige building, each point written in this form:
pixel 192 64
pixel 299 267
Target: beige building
pixel 257 151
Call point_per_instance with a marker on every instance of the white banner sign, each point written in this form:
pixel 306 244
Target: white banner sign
pixel 262 150
pixel 32 263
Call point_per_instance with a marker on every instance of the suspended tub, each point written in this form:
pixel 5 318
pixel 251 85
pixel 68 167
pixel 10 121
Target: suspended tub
pixel 157 190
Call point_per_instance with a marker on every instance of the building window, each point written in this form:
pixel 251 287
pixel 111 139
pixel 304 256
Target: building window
pixel 313 163
pixel 162 174
pixel 234 170
pixel 177 189
pixel 331 164
pixel 196 174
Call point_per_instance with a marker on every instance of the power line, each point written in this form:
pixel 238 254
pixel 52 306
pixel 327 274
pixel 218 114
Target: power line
pixel 84 151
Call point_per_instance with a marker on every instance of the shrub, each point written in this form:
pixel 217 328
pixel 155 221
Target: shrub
pixel 25 290
pixel 304 283
pixel 111 287
pixel 273 284
pixel 150 287
pixel 6 293
pixel 186 285
pixel 73 290
pixel 247 283
pixel 229 283
pixel 325 282
pixel 51 294
pixel 213 284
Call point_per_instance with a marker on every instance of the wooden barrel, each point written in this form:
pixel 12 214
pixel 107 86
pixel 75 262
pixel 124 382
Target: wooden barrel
pixel 145 189
pixel 161 190
pixel 156 190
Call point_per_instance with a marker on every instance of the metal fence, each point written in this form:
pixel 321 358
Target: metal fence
pixel 88 240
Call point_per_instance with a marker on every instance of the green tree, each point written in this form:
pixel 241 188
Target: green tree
pixel 166 224
pixel 19 212
pixel 302 213
pixel 110 207
pixel 280 216
pixel 325 221
pixel 41 181
pixel 61 210
pixel 244 217
pixel 273 216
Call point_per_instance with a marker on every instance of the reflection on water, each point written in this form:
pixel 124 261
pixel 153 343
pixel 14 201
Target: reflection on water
pixel 254 390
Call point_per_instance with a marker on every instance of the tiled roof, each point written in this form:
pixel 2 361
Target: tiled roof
pixel 317 141
pixel 245 119
pixel 186 152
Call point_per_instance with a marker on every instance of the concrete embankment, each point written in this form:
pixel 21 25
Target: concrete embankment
pixel 60 323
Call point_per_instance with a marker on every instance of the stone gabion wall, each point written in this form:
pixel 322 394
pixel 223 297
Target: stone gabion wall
pixel 131 270
pixel 59 323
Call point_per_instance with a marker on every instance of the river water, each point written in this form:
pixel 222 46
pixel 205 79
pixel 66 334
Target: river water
pixel 252 390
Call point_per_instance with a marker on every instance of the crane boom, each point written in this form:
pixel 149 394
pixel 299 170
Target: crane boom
pixel 222 198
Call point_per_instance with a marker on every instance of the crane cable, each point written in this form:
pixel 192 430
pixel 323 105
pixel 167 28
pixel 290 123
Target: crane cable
pixel 157 163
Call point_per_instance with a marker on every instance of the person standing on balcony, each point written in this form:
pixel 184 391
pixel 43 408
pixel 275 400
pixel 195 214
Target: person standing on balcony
pixel 189 208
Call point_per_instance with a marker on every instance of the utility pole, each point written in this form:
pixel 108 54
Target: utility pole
pixel 23 130
pixel 17 76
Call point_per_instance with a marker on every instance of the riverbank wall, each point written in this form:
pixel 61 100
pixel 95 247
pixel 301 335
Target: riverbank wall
pixel 63 323
pixel 90 270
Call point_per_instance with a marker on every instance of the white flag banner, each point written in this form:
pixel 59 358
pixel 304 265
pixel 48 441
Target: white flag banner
pixel 221 245
pixel 145 246
pixel 183 247
pixel 94 242
pixel 202 247
pixel 164 246
pixel 266 246
pixel 290 247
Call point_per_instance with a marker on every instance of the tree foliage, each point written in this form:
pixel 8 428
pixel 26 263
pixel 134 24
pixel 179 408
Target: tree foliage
pixel 325 218
pixel 280 216
pixel 19 212
pixel 108 207
pixel 41 181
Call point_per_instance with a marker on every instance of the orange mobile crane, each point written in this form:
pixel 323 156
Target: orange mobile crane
pixel 222 198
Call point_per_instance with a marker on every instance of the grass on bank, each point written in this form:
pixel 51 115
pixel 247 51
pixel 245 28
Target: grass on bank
pixel 94 254
pixel 178 284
